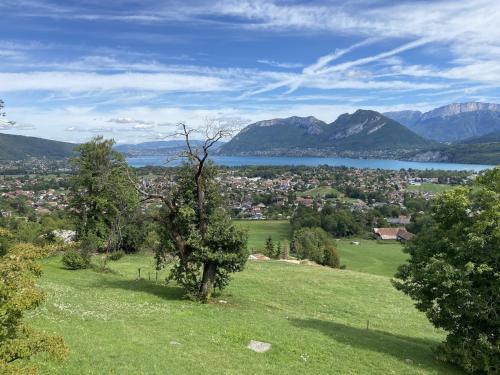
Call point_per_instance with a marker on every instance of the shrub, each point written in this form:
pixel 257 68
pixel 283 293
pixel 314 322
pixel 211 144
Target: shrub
pixel 316 245
pixel 116 255
pixel 331 257
pixel 75 260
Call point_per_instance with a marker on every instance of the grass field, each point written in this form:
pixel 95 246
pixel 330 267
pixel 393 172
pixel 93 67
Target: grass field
pixel 371 256
pixel 260 230
pixel 430 188
pixel 314 317
pixel 319 191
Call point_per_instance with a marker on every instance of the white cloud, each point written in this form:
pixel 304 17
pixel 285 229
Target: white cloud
pixel 278 64
pixel 78 82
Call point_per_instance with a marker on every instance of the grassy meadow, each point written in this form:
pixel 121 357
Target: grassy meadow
pixel 314 317
pixel 430 188
pixel 260 230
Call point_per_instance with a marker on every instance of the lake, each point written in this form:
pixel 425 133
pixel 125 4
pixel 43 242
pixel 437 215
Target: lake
pixel 236 161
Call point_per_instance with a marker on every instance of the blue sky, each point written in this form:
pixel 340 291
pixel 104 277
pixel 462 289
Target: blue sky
pixel 132 69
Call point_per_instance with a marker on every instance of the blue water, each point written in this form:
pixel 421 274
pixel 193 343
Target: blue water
pixel 235 161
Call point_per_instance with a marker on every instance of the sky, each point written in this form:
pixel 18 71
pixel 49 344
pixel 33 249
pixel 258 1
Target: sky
pixel 132 69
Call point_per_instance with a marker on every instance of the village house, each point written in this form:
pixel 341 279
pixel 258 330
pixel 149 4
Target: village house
pixel 399 234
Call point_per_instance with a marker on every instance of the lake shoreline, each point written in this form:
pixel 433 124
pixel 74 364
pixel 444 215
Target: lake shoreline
pixel 387 164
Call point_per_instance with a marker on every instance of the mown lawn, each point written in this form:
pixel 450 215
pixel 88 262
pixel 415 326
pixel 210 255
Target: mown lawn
pixel 319 191
pixel 315 318
pixel 371 256
pixel 260 230
pixel 430 188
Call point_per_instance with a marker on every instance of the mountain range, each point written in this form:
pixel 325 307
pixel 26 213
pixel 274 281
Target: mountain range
pixel 466 133
pixel 452 123
pixel 361 131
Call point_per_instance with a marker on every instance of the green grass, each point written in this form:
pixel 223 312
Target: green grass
pixel 319 191
pixel 260 230
pixel 371 256
pixel 430 188
pixel 315 317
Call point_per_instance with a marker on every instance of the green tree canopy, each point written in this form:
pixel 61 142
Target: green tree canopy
pixel 103 196
pixel 18 294
pixel 453 273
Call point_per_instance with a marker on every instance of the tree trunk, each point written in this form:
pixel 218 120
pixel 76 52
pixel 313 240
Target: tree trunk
pixel 207 281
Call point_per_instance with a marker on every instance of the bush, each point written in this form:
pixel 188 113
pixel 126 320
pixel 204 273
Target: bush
pixel 316 245
pixel 331 257
pixel 74 260
pixel 116 255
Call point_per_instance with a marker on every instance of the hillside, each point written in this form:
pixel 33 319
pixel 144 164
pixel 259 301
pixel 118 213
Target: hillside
pixel 18 147
pixel 314 317
pixel 361 131
pixel 453 122
pixel 155 148
pixel 488 138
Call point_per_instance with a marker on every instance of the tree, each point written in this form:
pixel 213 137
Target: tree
pixel 317 245
pixel 453 273
pixel 103 197
pixel 269 248
pixel 198 231
pixel 18 294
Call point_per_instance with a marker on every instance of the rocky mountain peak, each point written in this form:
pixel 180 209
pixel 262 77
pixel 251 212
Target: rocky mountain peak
pixel 457 108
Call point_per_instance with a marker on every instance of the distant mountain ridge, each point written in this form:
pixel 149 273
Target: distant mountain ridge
pixel 19 147
pixel 452 123
pixel 155 148
pixel 364 130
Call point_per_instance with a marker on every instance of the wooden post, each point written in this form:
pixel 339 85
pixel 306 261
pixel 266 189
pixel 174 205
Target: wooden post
pixel 367 324
pixel 139 271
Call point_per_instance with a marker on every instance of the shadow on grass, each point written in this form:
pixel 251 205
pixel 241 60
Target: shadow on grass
pixel 407 349
pixel 145 286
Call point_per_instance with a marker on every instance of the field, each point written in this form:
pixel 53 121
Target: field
pixel 260 230
pixel 373 257
pixel 430 188
pixel 314 317
pixel 320 191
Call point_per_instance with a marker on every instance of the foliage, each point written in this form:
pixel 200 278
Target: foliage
pixel 453 273
pixel 103 196
pixel 75 260
pixel 5 239
pixel 116 255
pixel 317 245
pixel 271 250
pixel 337 221
pixel 18 294
pixel 199 234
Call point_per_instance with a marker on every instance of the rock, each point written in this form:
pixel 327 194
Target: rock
pixel 222 301
pixel 258 256
pixel 259 346
pixel 175 343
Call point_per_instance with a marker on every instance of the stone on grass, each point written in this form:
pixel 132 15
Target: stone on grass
pixel 259 346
